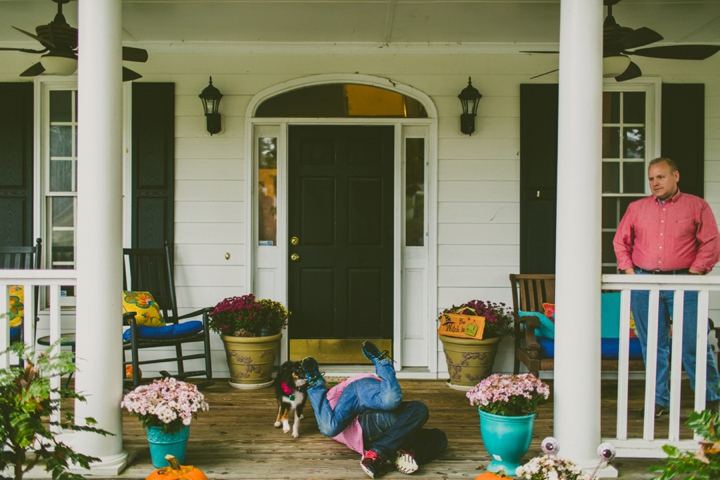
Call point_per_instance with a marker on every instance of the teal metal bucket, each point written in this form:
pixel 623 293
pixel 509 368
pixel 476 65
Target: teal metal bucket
pixel 162 444
pixel 506 439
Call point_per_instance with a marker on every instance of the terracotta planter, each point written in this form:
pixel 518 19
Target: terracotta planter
pixel 251 359
pixel 468 360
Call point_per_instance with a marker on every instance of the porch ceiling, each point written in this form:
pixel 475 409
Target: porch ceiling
pixel 483 22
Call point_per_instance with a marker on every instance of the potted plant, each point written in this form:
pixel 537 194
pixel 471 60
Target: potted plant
pixel 507 405
pixel 550 466
pixel 470 358
pixel 251 331
pixel 166 408
pixel 25 407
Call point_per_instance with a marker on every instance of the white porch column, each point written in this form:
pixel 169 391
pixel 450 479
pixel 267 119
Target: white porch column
pixel 577 288
pixel 99 242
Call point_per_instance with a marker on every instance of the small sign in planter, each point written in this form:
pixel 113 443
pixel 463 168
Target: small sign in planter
pixel 462 326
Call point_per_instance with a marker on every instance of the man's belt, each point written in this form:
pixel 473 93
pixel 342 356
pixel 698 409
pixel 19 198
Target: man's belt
pixel 681 271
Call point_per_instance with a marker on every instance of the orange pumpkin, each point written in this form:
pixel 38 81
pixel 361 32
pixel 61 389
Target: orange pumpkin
pixel 491 476
pixel 177 471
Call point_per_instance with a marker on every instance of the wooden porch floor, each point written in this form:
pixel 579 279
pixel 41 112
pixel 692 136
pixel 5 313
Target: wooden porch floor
pixel 236 438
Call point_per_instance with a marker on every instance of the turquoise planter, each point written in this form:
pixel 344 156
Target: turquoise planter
pixel 162 444
pixel 506 439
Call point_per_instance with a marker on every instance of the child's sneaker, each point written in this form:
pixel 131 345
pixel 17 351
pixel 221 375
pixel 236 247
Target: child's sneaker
pixel 312 370
pixel 372 463
pixel 373 353
pixel 405 462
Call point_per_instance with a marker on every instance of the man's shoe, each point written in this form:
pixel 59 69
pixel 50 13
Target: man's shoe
pixel 372 464
pixel 372 352
pixel 312 370
pixel 405 462
pixel 659 410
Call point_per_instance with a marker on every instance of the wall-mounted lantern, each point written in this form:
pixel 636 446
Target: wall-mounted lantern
pixel 469 98
pixel 211 104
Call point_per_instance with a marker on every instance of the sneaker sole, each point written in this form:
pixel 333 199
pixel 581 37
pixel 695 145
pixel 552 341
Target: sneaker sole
pixel 370 473
pixel 405 465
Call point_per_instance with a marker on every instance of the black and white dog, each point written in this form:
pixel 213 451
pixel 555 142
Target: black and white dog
pixel 291 392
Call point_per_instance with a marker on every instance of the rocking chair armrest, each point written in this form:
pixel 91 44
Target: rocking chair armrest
pixel 202 311
pixel 127 317
pixel 531 323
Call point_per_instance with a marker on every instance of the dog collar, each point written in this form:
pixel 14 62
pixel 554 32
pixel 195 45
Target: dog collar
pixel 287 390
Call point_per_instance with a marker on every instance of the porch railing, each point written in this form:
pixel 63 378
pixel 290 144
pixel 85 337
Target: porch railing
pixel 53 280
pixel 649 445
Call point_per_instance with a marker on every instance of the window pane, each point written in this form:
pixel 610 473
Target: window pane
pixel 624 203
pixel 611 107
pixel 611 142
pixel 341 100
pixel 608 252
pixel 267 191
pixel 609 212
pixel 634 107
pixel 611 177
pixel 415 192
pixel 634 177
pixel 62 246
pixel 60 141
pixel 61 175
pixel 62 211
pixel 634 142
pixel 60 106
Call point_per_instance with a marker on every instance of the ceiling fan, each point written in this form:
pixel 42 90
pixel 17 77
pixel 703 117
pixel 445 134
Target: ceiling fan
pixel 618 40
pixel 60 42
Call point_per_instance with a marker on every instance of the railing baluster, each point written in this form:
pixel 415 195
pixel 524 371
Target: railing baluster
pixel 651 365
pixel 623 365
pixel 676 363
pixel 702 349
pixel 55 319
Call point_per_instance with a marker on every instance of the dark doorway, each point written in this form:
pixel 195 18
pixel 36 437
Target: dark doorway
pixel 341 240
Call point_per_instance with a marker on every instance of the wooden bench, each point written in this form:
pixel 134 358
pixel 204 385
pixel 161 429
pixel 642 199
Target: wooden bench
pixel 529 292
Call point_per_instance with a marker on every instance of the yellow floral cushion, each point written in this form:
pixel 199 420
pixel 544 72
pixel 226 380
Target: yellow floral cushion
pixel 17 307
pixel 147 311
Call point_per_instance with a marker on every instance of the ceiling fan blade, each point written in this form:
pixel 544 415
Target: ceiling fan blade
pixel 679 52
pixel 129 75
pixel 131 54
pixel 640 37
pixel 44 42
pixel 24 50
pixel 33 71
pixel 537 51
pixel 546 73
pixel 633 71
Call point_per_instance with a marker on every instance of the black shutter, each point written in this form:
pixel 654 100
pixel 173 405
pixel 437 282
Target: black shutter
pixel 683 133
pixel 153 164
pixel 538 176
pixel 16 164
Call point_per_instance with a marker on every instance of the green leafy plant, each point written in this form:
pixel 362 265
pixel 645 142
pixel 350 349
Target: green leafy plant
pixel 26 402
pixel 703 464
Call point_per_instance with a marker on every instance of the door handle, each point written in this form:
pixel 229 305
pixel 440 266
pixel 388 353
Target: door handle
pixel 294 257
pixel 294 240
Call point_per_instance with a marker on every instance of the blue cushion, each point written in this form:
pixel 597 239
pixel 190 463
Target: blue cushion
pixel 547 327
pixel 610 308
pixel 15 333
pixel 608 348
pixel 172 330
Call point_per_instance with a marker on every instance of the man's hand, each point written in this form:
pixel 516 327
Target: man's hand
pixel 629 271
pixel 693 272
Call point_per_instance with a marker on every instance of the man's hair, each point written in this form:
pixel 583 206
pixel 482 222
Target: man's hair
pixel 671 163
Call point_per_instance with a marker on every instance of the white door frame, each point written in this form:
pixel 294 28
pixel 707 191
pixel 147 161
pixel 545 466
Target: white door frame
pixel 277 257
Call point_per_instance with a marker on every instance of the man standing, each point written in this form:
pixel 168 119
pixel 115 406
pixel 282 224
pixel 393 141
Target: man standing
pixel 669 233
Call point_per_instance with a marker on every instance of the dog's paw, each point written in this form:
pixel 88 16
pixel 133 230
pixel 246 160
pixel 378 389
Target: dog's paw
pixel 286 427
pixel 295 434
pixel 301 416
pixel 277 424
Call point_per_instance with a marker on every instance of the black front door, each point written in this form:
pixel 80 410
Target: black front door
pixel 341 240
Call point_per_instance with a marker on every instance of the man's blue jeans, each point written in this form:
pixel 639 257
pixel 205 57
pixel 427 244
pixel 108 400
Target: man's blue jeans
pixel 640 304
pixel 386 432
pixel 363 394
